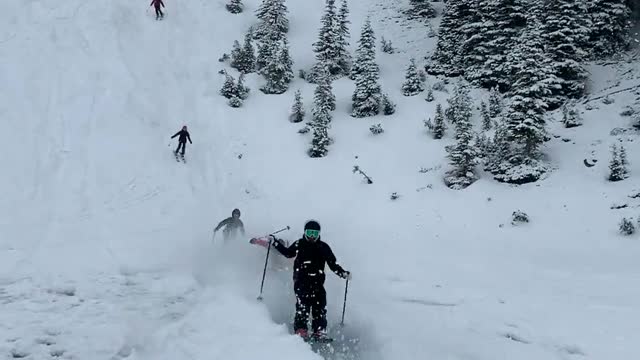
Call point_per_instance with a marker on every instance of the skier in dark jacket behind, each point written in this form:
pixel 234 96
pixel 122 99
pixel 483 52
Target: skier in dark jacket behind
pixel 308 278
pixel 231 225
pixel 157 4
pixel 182 140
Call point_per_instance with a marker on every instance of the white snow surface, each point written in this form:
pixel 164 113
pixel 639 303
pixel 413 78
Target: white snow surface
pixel 105 241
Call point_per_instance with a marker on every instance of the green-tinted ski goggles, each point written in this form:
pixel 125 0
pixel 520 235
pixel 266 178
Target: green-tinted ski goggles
pixel 312 233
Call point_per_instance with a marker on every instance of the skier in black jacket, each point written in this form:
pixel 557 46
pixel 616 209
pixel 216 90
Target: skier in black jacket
pixel 231 225
pixel 182 140
pixel 308 278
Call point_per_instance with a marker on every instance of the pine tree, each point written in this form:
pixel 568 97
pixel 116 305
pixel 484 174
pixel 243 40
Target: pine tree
pixel 242 91
pixel 264 54
pixel 236 55
pixel 365 51
pixel 463 156
pixel 247 62
pixel 297 110
pixel 439 127
pixel 565 31
pixel 421 9
pixel 275 71
pixel 412 85
pixel 367 96
pixel 326 48
pixel 273 21
pixel 570 117
pixel 618 164
pixel 229 88
pixel 286 61
pixel 495 103
pixel 344 58
pixel 388 106
pixel 324 103
pixel 490 39
pixel 235 102
pixel 486 119
pixel 459 104
pixel 610 25
pixel 525 118
pixel 430 96
pixel 235 6
pixel 452 34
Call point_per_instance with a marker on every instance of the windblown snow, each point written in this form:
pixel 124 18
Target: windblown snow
pixel 106 245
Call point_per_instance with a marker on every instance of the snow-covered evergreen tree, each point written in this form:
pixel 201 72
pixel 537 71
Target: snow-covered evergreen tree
pixel 412 84
pixel 327 47
pixel 236 54
pixel 626 227
pixel 286 61
pixel 460 104
pixel 451 35
pixel 388 106
pixel 276 72
pixel 610 25
pixel 495 103
pixel 387 46
pixel 242 91
pixel 247 61
pixel 486 119
pixel 297 110
pixel 570 116
pixel 367 96
pixel 273 21
pixel 366 49
pixel 463 156
pixel 323 104
pixel 489 39
pixel 430 96
pixel 344 57
pixel 264 54
pixel 421 9
pixel 235 102
pixel 235 6
pixel 229 88
pixel 439 126
pixel 618 165
pixel 565 31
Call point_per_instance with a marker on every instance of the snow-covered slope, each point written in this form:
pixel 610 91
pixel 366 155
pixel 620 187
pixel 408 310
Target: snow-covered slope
pixel 105 247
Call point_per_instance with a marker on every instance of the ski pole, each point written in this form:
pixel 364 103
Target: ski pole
pixel 266 260
pixel 344 305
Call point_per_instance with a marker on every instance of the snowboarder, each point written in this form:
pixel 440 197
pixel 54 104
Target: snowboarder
pixel 157 4
pixel 232 225
pixel 182 140
pixel 311 254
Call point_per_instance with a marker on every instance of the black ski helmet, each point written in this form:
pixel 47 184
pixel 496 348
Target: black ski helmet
pixel 311 225
pixel 235 212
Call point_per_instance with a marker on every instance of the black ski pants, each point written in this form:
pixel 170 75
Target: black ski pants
pixel 183 145
pixel 311 299
pixel 159 13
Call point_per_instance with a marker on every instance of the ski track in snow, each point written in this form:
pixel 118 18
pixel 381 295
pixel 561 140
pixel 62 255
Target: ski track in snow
pixel 105 241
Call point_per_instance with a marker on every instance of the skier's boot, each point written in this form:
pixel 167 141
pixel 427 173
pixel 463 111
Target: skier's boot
pixel 319 335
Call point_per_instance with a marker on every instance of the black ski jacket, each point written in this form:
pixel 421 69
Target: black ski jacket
pixel 184 135
pixel 309 265
pixel 230 224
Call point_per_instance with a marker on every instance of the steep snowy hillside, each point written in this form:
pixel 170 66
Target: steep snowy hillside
pixel 105 241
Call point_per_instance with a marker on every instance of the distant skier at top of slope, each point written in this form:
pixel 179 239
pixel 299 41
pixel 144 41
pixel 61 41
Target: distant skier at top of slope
pixel 156 4
pixel 182 140
pixel 231 225
pixel 311 255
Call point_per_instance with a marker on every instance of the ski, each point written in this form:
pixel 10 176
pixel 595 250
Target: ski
pixel 176 155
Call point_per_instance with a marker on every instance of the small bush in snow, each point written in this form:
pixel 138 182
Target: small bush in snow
pixel 387 47
pixel 519 217
pixel 235 102
pixel 225 57
pixel 628 111
pixel 394 196
pixel 304 130
pixel 608 101
pixel 422 75
pixel 636 121
pixel 440 86
pixel 627 227
pixel 412 84
pixel 297 110
pixel 229 88
pixel 302 74
pixel 356 169
pixel 618 165
pixel 431 33
pixel 376 129
pixel 388 106
pixel 429 97
pixel 235 6
pixel 570 117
